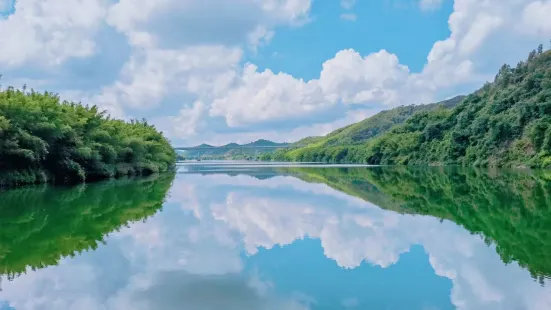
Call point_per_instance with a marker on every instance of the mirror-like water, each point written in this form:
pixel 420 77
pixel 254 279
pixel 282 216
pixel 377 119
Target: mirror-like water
pixel 244 236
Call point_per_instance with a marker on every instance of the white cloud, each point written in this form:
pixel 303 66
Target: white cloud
pixel 263 96
pixel 260 35
pixel 181 53
pixel 178 23
pixel 152 74
pixel 347 78
pixel 188 121
pixel 536 17
pixel 376 78
pixel 186 48
pixel 50 32
pixel 467 57
pixel 482 26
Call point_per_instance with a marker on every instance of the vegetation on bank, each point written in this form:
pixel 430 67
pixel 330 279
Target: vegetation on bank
pixel 43 224
pixel 44 139
pixel 343 144
pixel 508 209
pixel 506 123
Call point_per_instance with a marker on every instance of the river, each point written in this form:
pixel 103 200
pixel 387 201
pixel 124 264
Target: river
pixel 244 236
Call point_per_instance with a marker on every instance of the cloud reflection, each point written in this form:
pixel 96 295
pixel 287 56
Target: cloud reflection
pixel 193 250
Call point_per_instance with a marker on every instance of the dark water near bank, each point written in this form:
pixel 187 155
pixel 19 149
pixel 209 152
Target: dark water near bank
pixel 243 236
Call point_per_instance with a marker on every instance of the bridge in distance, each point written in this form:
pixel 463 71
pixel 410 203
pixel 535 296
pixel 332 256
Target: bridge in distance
pixel 187 148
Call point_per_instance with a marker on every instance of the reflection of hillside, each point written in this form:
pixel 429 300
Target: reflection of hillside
pixel 41 225
pixel 510 209
pixel 261 174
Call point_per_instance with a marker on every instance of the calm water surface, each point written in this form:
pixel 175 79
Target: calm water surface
pixel 244 236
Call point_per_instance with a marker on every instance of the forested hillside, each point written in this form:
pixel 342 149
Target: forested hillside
pixel 505 123
pixel 337 146
pixel 43 139
pixel 371 127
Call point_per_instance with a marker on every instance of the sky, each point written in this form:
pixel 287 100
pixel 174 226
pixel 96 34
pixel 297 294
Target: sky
pixel 220 71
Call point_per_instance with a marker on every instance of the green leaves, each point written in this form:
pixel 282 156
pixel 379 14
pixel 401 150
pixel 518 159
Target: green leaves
pixel 69 142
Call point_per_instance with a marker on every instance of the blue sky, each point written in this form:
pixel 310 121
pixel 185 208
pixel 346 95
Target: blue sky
pixel 221 71
pixel 7 7
pixel 378 25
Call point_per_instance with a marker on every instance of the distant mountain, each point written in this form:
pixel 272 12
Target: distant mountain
pixel 262 142
pixel 204 145
pixel 232 150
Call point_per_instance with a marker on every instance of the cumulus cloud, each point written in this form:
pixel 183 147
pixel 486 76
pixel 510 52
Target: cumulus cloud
pixel 50 32
pixel 188 57
pixel 347 78
pixel 467 57
pixel 174 24
pixel 147 77
pixel 262 96
pixel 351 78
pixel 536 17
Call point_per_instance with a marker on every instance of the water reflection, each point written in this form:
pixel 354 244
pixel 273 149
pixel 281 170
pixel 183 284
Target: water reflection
pixel 305 238
pixel 41 225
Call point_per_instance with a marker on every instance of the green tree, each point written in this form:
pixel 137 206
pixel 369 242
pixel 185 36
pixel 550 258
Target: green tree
pixel 44 139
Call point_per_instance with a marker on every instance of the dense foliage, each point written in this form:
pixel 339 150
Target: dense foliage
pixel 510 209
pixel 41 225
pixel 346 144
pixel 45 140
pixel 505 123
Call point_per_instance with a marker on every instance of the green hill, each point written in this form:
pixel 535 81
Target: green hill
pixel 233 150
pixel 505 123
pixel 379 123
pixel 331 147
pixel 262 142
